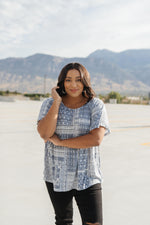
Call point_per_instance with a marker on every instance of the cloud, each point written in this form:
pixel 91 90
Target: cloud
pixel 72 28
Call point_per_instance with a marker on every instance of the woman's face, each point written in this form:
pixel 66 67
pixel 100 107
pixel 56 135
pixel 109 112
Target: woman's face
pixel 73 84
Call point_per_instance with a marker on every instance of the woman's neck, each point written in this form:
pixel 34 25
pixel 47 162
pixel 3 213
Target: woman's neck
pixel 74 102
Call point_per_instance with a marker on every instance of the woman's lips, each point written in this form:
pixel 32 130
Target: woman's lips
pixel 73 90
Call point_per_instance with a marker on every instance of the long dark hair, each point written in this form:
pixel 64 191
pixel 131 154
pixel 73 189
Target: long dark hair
pixel 85 78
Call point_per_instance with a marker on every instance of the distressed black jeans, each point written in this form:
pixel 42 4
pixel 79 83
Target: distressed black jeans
pixel 89 202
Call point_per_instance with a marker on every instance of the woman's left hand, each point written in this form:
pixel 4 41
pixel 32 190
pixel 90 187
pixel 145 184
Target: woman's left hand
pixel 55 140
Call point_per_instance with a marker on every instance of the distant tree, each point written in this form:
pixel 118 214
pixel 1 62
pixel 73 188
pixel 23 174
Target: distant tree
pixel 15 92
pixel 2 93
pixel 114 95
pixel 101 96
pixel 36 96
pixel 7 92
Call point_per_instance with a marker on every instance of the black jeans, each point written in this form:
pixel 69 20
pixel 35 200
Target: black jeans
pixel 89 202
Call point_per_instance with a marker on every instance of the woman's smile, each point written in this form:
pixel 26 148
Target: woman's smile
pixel 73 90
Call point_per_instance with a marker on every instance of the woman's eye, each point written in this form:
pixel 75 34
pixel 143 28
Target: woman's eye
pixel 78 80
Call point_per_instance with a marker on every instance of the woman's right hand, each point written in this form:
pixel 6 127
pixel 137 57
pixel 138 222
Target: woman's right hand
pixel 55 94
pixel 47 125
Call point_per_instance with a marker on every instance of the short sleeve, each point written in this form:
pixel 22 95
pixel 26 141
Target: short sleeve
pixel 45 108
pixel 99 116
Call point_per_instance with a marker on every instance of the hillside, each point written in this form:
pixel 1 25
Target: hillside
pixel 127 72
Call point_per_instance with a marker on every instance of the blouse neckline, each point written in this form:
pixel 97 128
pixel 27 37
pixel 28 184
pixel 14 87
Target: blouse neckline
pixel 77 107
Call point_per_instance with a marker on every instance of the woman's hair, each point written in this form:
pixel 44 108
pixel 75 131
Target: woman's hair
pixel 85 79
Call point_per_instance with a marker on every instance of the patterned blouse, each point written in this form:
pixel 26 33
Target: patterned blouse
pixel 70 168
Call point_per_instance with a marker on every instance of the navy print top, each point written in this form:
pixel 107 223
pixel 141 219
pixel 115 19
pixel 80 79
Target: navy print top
pixel 70 168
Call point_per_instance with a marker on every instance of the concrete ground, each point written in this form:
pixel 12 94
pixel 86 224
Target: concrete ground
pixel 125 164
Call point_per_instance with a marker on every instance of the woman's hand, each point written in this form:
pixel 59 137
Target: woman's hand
pixel 55 95
pixel 55 140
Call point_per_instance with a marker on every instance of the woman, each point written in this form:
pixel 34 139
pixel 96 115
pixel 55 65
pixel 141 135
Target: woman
pixel 72 124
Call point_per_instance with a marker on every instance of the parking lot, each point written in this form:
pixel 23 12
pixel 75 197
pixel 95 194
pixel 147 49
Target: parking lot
pixel 125 165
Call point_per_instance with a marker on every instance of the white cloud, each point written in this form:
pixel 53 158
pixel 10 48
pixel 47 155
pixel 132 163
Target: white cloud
pixel 72 28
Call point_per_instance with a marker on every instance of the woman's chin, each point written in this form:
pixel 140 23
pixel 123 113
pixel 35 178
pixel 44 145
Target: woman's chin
pixel 74 94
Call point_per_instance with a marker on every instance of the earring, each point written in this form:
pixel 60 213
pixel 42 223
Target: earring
pixel 63 91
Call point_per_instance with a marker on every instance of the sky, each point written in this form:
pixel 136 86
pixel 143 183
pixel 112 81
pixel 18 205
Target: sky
pixel 72 28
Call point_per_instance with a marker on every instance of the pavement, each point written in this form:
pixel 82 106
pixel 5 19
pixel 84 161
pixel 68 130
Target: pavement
pixel 125 166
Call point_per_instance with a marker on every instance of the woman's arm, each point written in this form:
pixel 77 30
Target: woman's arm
pixel 47 126
pixel 93 138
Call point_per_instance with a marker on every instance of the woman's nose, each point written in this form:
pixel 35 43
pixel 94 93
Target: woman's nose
pixel 73 84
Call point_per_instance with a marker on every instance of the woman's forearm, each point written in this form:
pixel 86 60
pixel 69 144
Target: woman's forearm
pixel 94 138
pixel 47 126
pixel 85 141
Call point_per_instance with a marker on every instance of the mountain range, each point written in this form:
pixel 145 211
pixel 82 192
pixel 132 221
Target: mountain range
pixel 127 72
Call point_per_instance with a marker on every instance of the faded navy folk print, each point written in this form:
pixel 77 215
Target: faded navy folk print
pixel 69 168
